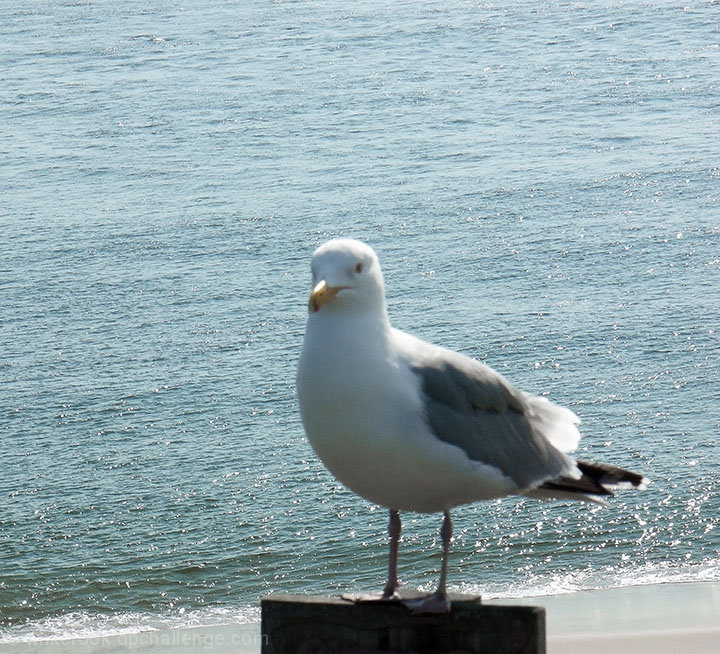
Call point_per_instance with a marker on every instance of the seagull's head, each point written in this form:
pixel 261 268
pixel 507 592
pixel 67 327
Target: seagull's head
pixel 346 276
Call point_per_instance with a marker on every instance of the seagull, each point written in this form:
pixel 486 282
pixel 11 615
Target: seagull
pixel 415 427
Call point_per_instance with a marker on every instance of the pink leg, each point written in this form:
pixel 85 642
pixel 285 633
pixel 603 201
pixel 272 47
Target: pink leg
pixel 394 529
pixel 390 590
pixel 435 603
pixel 446 535
pixel 438 601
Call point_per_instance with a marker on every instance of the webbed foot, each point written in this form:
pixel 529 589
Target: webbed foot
pixel 435 603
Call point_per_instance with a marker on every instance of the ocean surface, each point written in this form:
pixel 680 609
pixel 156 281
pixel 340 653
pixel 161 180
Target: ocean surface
pixel 541 183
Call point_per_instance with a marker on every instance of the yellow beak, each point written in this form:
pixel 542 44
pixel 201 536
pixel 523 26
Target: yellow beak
pixel 321 295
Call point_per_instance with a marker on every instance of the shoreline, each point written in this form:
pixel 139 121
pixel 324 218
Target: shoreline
pixel 240 638
pixel 690 641
pixel 674 618
pixel 676 606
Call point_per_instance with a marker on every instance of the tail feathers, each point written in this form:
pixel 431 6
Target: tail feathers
pixel 596 482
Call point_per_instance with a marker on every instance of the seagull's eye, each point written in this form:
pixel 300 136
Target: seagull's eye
pixel 359 267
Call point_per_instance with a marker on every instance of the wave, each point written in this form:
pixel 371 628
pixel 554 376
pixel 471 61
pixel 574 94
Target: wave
pixel 606 578
pixel 89 624
pixel 93 625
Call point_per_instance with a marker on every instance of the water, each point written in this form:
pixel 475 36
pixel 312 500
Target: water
pixel 541 183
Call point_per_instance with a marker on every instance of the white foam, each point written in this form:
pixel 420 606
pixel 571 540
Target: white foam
pixel 604 578
pixel 85 624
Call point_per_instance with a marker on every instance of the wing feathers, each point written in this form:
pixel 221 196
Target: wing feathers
pixel 469 405
pixel 474 408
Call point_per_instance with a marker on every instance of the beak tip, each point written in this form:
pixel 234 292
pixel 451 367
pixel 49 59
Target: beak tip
pixel 321 295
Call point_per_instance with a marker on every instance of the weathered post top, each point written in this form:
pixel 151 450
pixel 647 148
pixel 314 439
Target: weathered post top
pixel 299 624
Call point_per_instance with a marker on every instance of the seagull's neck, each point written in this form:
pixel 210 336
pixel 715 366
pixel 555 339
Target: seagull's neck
pixel 344 351
pixel 350 329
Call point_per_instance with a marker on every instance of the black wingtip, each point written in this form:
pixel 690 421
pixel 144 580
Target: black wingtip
pixel 597 480
pixel 612 476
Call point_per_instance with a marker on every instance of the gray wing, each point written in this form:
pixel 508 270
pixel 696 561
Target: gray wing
pixel 471 406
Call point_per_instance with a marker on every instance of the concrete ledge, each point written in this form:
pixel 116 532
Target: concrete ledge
pixel 298 624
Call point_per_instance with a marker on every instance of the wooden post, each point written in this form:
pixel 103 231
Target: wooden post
pixel 298 624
